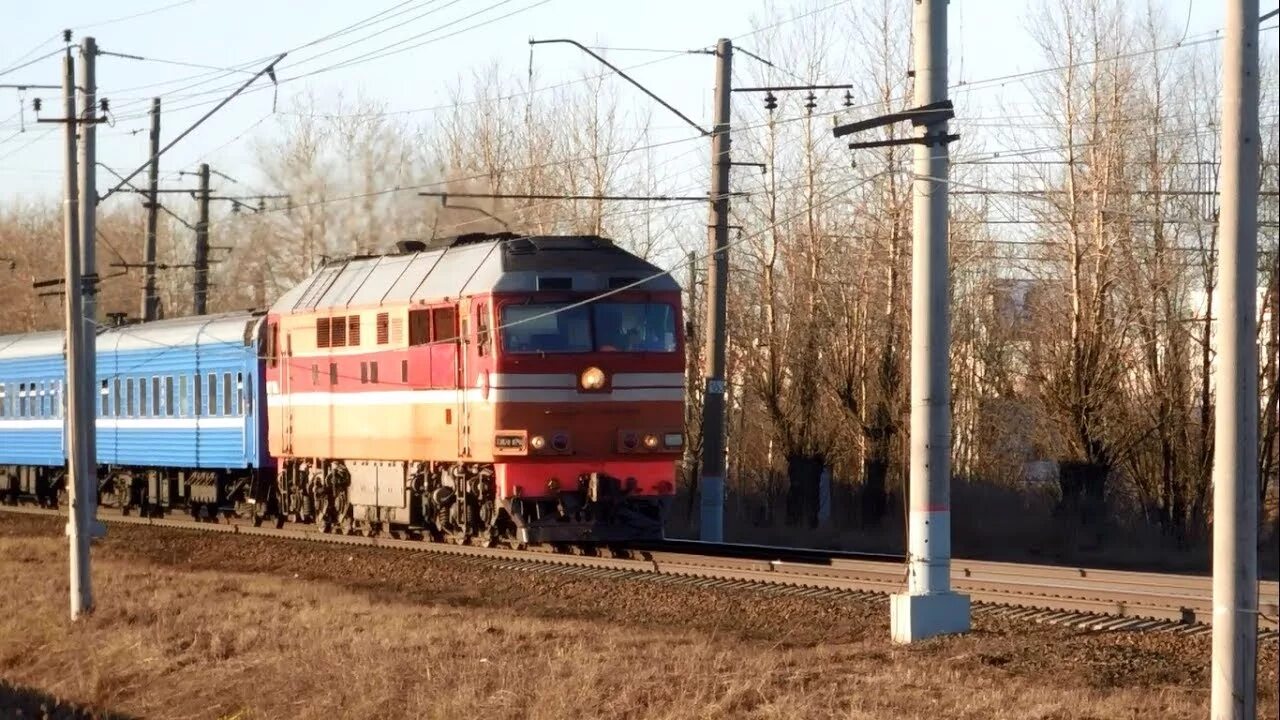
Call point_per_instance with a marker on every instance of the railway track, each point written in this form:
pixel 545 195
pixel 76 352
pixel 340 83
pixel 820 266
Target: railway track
pixel 1076 597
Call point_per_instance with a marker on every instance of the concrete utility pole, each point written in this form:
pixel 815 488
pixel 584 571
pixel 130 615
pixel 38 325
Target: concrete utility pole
pixel 150 303
pixel 202 243
pixel 1235 461
pixel 929 607
pixel 86 482
pixel 78 428
pixel 89 277
pixel 711 486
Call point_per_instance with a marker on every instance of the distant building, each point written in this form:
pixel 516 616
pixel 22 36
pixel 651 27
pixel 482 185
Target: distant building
pixel 1199 305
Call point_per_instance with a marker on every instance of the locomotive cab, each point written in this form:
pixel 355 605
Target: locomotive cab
pixel 594 386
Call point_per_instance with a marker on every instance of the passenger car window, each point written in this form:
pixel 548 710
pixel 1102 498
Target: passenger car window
pixel 212 399
pixel 228 397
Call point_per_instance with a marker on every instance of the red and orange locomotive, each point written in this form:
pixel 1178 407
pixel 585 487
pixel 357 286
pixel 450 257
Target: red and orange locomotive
pixel 492 388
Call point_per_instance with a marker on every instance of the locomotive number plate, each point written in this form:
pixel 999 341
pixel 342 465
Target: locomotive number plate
pixel 509 443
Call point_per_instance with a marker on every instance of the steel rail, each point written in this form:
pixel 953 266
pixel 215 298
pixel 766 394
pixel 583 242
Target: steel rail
pixel 1083 597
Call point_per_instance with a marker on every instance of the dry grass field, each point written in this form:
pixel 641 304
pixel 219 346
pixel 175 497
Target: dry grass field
pixel 192 626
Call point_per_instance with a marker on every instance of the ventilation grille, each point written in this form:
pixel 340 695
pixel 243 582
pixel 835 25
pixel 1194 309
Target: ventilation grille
pixel 353 330
pixel 322 332
pixel 383 329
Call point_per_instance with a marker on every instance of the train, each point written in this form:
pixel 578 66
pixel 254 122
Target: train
pixel 488 388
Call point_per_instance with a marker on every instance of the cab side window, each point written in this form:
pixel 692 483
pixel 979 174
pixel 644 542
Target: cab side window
pixel 482 329
pixel 444 324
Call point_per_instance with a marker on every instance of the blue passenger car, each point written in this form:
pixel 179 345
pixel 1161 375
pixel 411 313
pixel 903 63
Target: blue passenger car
pixel 32 372
pixel 180 413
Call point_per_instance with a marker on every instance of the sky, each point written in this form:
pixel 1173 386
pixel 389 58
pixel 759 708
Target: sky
pixel 988 39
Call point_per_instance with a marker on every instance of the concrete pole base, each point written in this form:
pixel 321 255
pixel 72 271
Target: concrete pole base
pixel 916 617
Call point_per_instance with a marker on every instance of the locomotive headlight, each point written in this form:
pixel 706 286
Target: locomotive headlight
pixel 651 441
pixel 592 379
pixel 537 442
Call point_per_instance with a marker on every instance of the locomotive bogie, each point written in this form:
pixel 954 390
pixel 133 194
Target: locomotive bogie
pixel 444 500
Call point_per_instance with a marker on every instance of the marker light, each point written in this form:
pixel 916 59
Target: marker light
pixel 537 442
pixel 592 379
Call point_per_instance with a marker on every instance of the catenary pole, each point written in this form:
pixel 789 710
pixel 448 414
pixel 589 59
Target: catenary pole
pixel 202 244
pixel 929 607
pixel 150 303
pixel 87 481
pixel 711 485
pixel 1233 685
pixel 77 426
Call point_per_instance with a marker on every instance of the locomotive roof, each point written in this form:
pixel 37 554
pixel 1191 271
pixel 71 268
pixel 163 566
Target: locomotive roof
pixel 473 264
pixel 197 330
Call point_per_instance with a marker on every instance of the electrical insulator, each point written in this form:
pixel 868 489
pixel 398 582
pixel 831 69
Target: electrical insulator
pixel 235 208
pixel 770 102
pixel 848 98
pixel 811 102
pixel 104 104
pixel 35 104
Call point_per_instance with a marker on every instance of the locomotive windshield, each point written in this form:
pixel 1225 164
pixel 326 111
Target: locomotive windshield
pixel 602 327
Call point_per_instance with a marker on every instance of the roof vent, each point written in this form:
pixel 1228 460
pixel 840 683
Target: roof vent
pixel 521 246
pixel 409 246
pixel 482 237
pixel 554 283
